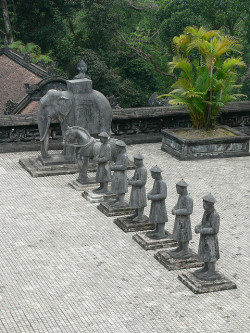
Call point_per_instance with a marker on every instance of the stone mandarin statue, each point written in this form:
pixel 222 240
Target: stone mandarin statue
pixel 138 198
pixel 103 174
pixel 119 183
pixel 158 212
pixel 208 247
pixel 182 228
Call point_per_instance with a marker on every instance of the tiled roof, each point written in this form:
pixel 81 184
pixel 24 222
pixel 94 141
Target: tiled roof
pixel 12 79
pixel 31 108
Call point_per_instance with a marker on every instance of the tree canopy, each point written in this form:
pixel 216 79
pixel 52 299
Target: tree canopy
pixel 127 44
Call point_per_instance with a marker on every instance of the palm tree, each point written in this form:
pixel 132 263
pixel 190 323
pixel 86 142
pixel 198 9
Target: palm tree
pixel 204 85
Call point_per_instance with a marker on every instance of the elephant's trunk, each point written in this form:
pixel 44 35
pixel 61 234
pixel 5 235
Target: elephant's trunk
pixel 46 130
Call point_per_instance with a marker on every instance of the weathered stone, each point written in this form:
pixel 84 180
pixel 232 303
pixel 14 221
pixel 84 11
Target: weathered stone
pixel 138 198
pixel 173 264
pixel 36 169
pixel 208 251
pixel 90 184
pixel 157 196
pixel 109 210
pixel 126 224
pixel 200 286
pixel 119 183
pixel 148 243
pixel 189 149
pixel 55 159
pixel 182 226
pixel 94 197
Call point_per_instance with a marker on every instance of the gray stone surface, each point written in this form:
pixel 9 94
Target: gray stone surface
pixel 65 266
pixel 165 258
pixel 182 232
pixel 200 287
pixel 138 199
pixel 59 105
pixel 126 224
pixel 148 243
pixel 36 169
pixel 80 105
pixel 189 149
pixel 109 210
pixel 157 196
pixel 91 184
pixel 94 197
pixel 92 109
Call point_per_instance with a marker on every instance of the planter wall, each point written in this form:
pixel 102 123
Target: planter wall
pixel 138 125
pixel 189 149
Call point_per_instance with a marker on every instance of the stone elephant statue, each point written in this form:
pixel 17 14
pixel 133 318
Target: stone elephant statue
pixel 54 105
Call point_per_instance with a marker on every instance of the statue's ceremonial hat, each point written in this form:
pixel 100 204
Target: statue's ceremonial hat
pixel 120 143
pixel 103 134
pixel 138 156
pixel 182 183
pixel 156 169
pixel 209 198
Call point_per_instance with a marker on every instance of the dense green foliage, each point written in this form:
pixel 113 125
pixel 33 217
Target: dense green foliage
pixel 127 44
pixel 207 73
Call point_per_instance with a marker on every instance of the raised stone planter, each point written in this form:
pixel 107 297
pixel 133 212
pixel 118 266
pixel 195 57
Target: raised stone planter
pixel 189 149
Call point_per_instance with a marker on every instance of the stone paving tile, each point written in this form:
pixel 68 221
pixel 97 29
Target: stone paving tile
pixel 66 267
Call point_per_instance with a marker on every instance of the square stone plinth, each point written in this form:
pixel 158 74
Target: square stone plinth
pixel 148 243
pixel 55 159
pixel 127 224
pixel 37 169
pixel 90 184
pixel 202 286
pixel 96 197
pixel 173 264
pixel 109 210
pixel 56 165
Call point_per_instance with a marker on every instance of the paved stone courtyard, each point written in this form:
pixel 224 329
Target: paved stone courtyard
pixel 65 267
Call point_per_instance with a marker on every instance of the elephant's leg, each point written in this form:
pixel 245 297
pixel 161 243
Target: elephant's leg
pixel 45 146
pixel 82 163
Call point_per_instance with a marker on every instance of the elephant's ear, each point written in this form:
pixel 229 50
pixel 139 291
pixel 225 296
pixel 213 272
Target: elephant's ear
pixel 65 105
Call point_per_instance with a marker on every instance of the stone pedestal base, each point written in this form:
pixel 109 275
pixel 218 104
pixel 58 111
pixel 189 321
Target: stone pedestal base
pixel 96 197
pixel 90 184
pixel 109 210
pixel 152 244
pixel 55 159
pixel 37 169
pixel 173 264
pixel 127 224
pixel 202 286
pixel 55 165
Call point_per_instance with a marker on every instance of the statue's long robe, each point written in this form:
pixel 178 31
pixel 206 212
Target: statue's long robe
pixel 103 173
pixel 158 212
pixel 182 227
pixel 209 246
pixel 138 193
pixel 119 183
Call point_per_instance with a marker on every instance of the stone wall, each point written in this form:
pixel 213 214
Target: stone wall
pixel 20 132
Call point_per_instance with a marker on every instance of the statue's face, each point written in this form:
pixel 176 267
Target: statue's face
pixel 155 175
pixel 103 139
pixel 137 162
pixel 179 189
pixel 207 205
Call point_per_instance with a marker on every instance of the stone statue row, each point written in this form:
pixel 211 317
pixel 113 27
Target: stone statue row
pixel 208 229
